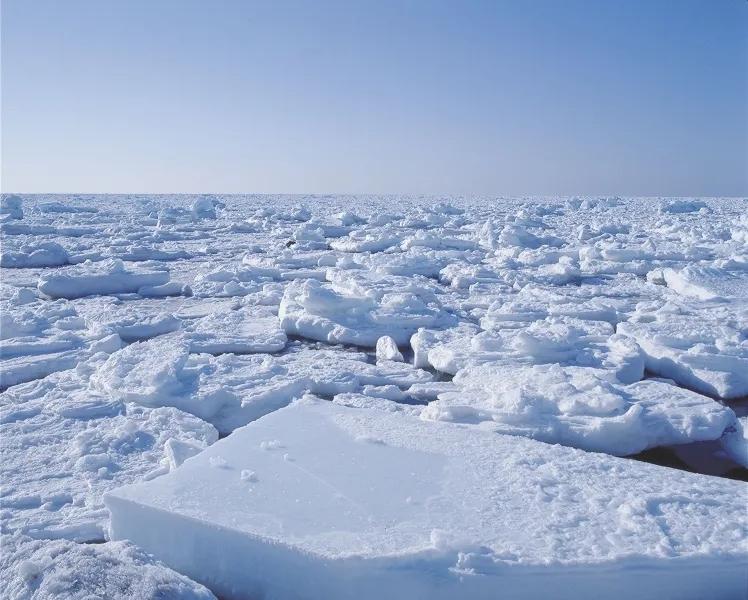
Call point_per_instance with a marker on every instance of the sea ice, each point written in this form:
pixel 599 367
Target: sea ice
pixel 310 310
pixel 377 503
pixel 704 348
pixel 110 278
pixel 46 254
pixel 136 328
pixel 238 331
pixel 64 445
pixel 115 571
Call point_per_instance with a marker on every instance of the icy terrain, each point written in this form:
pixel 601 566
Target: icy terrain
pixel 322 397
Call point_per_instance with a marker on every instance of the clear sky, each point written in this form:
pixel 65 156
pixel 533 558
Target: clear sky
pixel 629 97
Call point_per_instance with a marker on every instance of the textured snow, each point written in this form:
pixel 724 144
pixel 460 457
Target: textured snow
pixel 64 445
pixel 115 571
pixel 134 330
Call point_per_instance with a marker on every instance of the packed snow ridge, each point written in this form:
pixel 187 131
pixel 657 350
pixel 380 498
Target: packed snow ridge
pixel 321 397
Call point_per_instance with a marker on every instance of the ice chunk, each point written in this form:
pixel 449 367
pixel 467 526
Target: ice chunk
pixel 681 206
pixel 142 327
pixel 704 348
pixel 11 206
pixel 735 441
pixel 579 407
pixel 45 254
pixel 310 310
pixel 391 506
pixel 204 208
pixel 387 349
pixel 22 369
pixel 243 330
pixel 708 283
pixel 109 278
pixel 367 241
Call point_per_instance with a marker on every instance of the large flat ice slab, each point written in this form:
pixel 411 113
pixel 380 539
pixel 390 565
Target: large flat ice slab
pixel 319 500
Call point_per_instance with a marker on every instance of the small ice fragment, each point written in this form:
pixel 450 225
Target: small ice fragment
pixel 218 462
pixel 271 445
pixel 387 349
pixel 248 475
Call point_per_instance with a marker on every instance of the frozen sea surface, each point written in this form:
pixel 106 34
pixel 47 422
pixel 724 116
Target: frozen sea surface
pixel 418 396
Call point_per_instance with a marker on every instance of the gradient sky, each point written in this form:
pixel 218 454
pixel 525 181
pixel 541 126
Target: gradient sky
pixel 629 97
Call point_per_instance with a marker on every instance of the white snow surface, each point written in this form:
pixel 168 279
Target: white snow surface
pixel 471 332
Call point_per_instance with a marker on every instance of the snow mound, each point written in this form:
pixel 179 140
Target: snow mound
pixel 554 340
pixel 229 390
pixel 708 283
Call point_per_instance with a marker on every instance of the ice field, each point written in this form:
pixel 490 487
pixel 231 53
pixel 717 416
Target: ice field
pixel 295 397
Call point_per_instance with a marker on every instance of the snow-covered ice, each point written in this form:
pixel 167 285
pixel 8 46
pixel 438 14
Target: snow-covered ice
pixel 580 407
pixel 516 342
pixel 63 445
pixel 345 499
pixel 115 571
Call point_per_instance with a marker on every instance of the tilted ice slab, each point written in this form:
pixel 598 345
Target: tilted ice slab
pixel 11 207
pixel 312 311
pixel 324 501
pixel 100 278
pixel 554 340
pixel 735 441
pixel 64 445
pixel 115 570
pixel 230 391
pixel 703 348
pixel 580 407
pixel 708 283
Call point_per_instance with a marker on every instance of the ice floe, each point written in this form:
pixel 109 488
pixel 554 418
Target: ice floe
pixel 99 279
pixel 580 407
pixel 386 504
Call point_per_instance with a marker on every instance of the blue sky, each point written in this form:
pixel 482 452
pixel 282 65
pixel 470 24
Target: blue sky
pixel 635 97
